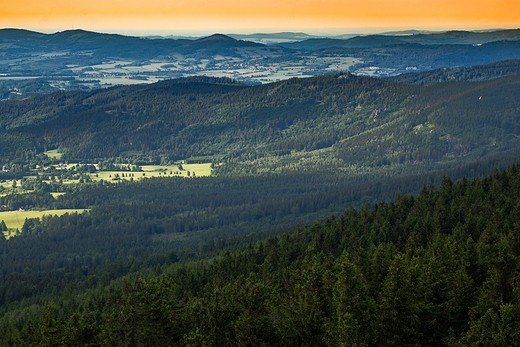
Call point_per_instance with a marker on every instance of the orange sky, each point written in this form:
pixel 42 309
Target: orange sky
pixel 255 15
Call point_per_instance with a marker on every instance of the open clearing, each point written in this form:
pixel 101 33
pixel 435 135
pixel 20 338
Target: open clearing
pixel 195 170
pixel 53 154
pixel 15 219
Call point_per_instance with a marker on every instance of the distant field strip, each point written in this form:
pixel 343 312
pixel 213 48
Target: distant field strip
pixel 16 219
pixel 195 170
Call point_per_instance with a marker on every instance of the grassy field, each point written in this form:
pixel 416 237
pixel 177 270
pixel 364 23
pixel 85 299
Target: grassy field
pixel 199 169
pixel 195 170
pixel 156 171
pixel 15 219
pixel 53 154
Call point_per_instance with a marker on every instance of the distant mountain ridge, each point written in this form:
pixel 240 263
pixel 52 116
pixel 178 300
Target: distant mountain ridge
pixel 115 45
pixel 304 41
pixel 423 36
pixel 435 38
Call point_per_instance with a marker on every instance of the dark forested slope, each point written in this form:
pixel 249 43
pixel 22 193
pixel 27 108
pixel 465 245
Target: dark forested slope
pixel 437 269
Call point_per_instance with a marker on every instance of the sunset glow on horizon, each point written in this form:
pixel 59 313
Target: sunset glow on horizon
pixel 185 16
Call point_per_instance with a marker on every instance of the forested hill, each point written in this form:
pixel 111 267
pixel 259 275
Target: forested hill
pixel 437 269
pixel 350 120
pixel 472 73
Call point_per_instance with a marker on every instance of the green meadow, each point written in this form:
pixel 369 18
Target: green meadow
pixel 195 170
pixel 14 219
pixel 53 154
